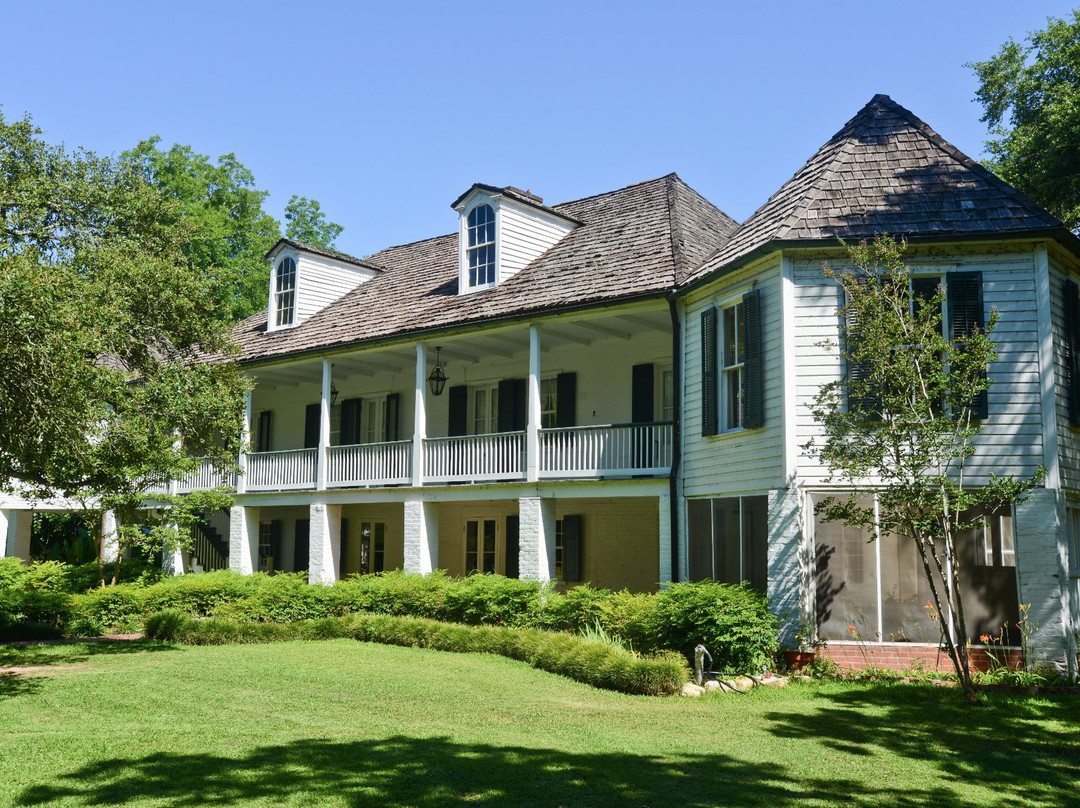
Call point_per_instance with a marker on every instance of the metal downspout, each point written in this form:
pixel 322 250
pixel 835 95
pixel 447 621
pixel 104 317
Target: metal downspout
pixel 676 434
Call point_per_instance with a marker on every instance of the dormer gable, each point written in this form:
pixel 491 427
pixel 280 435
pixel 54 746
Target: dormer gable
pixel 501 231
pixel 305 279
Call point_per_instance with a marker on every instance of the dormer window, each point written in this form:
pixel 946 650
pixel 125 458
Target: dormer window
pixel 285 292
pixel 481 248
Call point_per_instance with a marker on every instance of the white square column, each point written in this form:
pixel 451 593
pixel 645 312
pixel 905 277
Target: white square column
pixel 663 504
pixel 419 424
pixel 243 539
pixel 110 544
pixel 421 536
pixel 324 556
pixel 532 427
pixel 15 531
pixel 536 538
pixel 789 573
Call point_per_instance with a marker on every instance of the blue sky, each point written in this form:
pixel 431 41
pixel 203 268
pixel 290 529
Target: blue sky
pixel 385 113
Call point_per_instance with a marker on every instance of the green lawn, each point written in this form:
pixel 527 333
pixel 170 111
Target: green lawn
pixel 349 724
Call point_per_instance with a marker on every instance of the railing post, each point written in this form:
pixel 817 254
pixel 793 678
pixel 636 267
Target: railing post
pixel 419 417
pixel 532 430
pixel 245 444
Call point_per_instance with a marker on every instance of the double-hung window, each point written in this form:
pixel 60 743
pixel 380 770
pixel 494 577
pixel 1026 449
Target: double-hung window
pixel 734 362
pixel 732 365
pixel 285 292
pixel 481 249
pixel 549 403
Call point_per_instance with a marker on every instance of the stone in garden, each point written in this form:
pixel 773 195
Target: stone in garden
pixel 690 689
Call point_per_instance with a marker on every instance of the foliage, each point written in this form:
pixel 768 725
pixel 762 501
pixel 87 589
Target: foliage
pixel 599 664
pixel 63 536
pixel 306 222
pixel 1030 94
pixel 907 425
pixel 33 593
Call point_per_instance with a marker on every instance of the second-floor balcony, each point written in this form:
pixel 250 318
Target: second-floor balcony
pixel 585 452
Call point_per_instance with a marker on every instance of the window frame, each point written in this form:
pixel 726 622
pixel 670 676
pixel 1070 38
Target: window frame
pixel 498 560
pixel 733 368
pixel 474 246
pixel 491 391
pixel 284 298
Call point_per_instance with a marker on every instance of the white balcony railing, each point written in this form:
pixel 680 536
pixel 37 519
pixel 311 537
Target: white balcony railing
pixel 475 458
pixel 606 451
pixel 204 478
pixel 369 464
pixel 275 471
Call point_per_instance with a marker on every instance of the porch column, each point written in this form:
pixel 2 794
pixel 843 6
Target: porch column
pixel 1041 573
pixel 536 538
pixel 243 539
pixel 532 434
pixel 663 504
pixel 324 555
pixel 421 536
pixel 419 419
pixel 324 428
pixel 15 531
pixel 788 575
pixel 245 446
pixel 110 546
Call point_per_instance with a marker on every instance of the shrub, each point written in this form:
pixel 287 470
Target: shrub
pixel 35 592
pixel 118 608
pixel 493 600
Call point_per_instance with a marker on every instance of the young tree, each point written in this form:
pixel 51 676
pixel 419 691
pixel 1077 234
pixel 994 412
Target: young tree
pixel 1031 98
pixel 902 423
pixel 306 222
pixel 104 324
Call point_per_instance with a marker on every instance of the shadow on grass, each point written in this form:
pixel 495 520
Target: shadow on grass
pixel 61 656
pixel 1026 748
pixel 436 772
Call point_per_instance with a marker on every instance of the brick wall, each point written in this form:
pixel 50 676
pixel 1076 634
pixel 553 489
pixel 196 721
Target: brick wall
pixel 902 656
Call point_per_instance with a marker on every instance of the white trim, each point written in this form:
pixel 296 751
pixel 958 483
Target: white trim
pixel 532 423
pixel 1048 400
pixel 788 370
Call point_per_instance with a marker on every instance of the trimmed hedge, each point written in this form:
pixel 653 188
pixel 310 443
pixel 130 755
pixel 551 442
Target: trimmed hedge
pixel 589 661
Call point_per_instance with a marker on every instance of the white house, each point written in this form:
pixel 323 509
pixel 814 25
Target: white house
pixel 614 390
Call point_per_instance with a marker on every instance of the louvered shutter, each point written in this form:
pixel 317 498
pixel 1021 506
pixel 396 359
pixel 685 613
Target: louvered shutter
pixel 754 363
pixel 571 535
pixel 709 373
pixel 566 400
pixel 857 372
pixel 506 405
pixel 1071 294
pixel 965 302
pixel 262 437
pixel 641 394
pixel 513 527
pixel 312 419
pixel 274 562
pixel 351 408
pixel 301 542
pixel 459 411
pixel 393 407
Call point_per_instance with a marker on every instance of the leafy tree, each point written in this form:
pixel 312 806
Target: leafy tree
pixel 306 222
pixel 104 326
pixel 1031 97
pixel 228 230
pixel 905 426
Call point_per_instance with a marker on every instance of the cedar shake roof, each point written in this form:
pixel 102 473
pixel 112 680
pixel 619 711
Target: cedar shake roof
pixel 885 171
pixel 632 243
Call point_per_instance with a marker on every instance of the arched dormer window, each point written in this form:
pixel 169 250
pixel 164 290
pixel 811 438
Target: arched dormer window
pixel 285 292
pixel 481 247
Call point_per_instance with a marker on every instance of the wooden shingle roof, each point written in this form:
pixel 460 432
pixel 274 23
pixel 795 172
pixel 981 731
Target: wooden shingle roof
pixel 632 243
pixel 885 171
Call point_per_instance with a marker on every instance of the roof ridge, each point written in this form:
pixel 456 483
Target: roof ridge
pixel 615 190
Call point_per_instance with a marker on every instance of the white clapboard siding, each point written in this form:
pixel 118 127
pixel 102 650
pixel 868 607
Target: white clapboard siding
pixel 1011 442
pixel 744 461
pixel 321 280
pixel 524 235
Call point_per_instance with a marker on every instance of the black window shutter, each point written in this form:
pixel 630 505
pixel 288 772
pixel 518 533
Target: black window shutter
pixel 521 404
pixel 513 523
pixel 506 405
pixel 393 407
pixel 300 545
pixel 459 411
pixel 709 371
pixel 754 367
pixel 262 435
pixel 312 418
pixel 571 538
pixel 1071 293
pixel 964 296
pixel 641 395
pixel 566 400
pixel 351 408
pixel 275 544
pixel 343 544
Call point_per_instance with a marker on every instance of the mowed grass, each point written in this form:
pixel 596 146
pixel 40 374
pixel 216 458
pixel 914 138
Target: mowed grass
pixel 343 723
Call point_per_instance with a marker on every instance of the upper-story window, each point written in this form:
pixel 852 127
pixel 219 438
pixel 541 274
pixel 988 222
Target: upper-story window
pixel 481 246
pixel 285 292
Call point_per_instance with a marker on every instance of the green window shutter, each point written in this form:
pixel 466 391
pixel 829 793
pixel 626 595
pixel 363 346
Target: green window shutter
pixel 709 373
pixel 393 407
pixel 351 408
pixel 571 548
pixel 513 397
pixel 521 404
pixel 641 394
pixel 459 411
pixel 300 545
pixel 754 366
pixel 275 545
pixel 312 418
pixel 1071 294
pixel 512 544
pixel 566 400
pixel 964 297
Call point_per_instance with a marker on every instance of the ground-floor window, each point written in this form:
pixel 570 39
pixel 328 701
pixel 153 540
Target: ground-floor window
pixel 372 547
pixel 729 539
pixel 873 587
pixel 480 546
pixel 269 546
